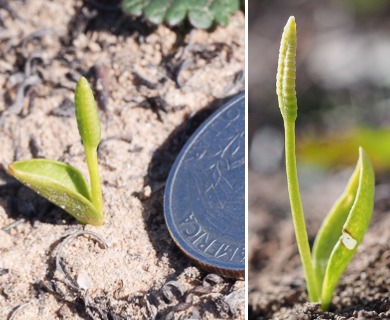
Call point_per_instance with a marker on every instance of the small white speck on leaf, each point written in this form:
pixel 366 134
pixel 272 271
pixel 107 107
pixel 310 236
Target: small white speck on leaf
pixel 348 241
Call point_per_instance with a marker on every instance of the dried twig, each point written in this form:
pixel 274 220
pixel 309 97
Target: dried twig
pixel 101 85
pixel 13 313
pixel 232 302
pixel 211 280
pixel 71 283
pixel 64 110
pixel 18 105
pixel 35 35
pixel 5 5
pixel 12 225
pixel 35 149
pixel 170 287
pixel 157 104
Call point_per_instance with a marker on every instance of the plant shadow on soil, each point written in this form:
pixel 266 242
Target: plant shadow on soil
pixel 105 15
pixel 158 171
pixel 97 16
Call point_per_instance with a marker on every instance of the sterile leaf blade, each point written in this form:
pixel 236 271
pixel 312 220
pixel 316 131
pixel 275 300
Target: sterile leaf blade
pixel 332 226
pixel 352 231
pixel 61 184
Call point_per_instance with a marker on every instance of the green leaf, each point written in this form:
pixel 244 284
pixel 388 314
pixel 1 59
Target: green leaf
pixel 61 184
pixel 176 13
pixel 156 10
pixel 337 148
pixel 344 228
pixel 201 13
pixel 135 7
pixel 222 10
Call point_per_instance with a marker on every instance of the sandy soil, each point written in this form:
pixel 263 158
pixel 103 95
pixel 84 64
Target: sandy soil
pixel 150 82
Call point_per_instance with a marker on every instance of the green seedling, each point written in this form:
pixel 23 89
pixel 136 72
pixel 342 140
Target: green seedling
pixel 344 227
pixel 200 13
pixel 61 183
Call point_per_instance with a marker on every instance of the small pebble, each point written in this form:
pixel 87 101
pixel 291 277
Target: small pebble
pixel 83 281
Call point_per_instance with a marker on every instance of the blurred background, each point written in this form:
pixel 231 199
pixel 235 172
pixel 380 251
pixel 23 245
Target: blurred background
pixel 343 79
pixel 343 90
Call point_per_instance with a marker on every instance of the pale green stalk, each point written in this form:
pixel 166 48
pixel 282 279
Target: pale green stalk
pixel 285 89
pixel 297 211
pixel 93 168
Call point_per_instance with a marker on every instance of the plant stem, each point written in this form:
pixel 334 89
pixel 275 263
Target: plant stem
pixel 297 211
pixel 93 168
